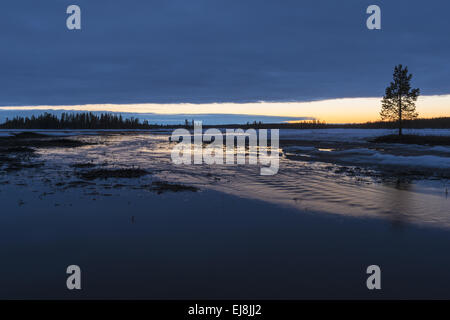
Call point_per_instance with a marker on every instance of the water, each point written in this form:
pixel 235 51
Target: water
pixel 339 180
pixel 308 232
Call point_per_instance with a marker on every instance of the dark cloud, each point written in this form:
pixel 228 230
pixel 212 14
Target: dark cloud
pixel 216 51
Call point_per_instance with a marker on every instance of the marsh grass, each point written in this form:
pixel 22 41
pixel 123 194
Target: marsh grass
pixel 112 173
pixel 161 186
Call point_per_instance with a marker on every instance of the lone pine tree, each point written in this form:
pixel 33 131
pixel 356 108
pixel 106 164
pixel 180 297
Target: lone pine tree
pixel 398 103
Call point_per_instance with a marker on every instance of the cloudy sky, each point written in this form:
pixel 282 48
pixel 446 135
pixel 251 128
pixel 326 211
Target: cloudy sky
pixel 168 52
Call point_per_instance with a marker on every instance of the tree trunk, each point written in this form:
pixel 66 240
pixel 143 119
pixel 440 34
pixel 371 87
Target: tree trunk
pixel 400 116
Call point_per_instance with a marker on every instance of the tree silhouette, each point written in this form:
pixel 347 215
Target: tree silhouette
pixel 76 121
pixel 398 103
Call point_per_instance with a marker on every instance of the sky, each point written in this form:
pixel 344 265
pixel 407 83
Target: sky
pixel 279 58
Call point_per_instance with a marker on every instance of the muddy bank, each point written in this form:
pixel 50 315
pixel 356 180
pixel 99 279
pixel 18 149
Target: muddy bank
pixel 18 151
pixel 112 173
pixel 38 140
pixel 413 139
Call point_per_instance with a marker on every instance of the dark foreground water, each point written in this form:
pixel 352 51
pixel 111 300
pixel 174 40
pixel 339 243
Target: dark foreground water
pixel 217 246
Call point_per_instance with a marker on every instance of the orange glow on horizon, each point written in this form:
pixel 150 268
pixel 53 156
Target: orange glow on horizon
pixel 347 110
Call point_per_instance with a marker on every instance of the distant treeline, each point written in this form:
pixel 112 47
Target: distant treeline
pixel 113 121
pixel 433 123
pixel 76 121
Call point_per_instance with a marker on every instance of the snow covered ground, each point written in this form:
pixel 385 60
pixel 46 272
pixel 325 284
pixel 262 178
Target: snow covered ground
pixel 352 146
pixel 352 135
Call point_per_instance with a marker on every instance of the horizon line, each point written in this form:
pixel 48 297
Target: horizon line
pixel 360 109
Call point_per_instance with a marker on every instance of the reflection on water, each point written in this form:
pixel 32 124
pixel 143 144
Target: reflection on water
pixel 322 185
